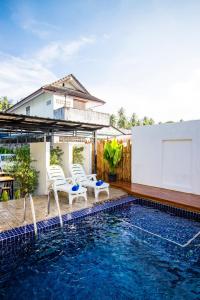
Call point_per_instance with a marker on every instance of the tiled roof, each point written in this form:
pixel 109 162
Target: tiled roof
pixel 70 92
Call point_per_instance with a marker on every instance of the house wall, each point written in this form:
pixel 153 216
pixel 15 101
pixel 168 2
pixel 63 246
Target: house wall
pixel 59 101
pixel 167 156
pixel 67 157
pixel 42 106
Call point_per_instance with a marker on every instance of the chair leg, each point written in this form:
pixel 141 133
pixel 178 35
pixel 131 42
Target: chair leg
pixel 96 193
pixel 85 196
pixel 107 190
pixel 70 199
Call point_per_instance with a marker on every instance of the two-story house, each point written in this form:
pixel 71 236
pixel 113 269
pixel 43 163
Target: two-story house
pixel 65 99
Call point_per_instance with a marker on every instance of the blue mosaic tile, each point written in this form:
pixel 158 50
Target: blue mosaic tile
pixel 26 233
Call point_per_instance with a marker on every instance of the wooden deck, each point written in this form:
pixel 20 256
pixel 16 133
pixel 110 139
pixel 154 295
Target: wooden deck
pixel 178 199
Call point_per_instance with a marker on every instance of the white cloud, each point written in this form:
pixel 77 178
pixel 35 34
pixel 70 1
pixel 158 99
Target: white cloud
pixel 40 29
pixel 62 51
pixel 161 98
pixel 19 77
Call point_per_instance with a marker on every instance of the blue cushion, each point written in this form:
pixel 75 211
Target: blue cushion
pixel 75 187
pixel 99 182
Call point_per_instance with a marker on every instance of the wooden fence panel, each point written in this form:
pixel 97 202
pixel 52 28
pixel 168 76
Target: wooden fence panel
pixel 124 168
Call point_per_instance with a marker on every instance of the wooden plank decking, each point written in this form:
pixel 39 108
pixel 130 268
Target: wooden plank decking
pixel 179 199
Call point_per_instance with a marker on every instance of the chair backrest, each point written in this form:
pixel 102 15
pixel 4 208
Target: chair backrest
pixel 78 173
pixel 56 173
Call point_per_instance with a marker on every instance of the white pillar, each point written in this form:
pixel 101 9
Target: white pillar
pixel 40 152
pixel 67 157
pixel 88 158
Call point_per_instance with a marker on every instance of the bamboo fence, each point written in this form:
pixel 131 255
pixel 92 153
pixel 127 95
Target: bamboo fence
pixel 124 168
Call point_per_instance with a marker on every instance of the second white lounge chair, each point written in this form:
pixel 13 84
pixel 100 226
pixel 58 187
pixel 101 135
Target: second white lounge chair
pixel 90 181
pixel 59 183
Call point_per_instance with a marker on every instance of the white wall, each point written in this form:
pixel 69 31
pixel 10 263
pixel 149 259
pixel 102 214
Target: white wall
pixel 59 101
pixel 67 157
pixel 167 156
pixel 40 152
pixel 38 106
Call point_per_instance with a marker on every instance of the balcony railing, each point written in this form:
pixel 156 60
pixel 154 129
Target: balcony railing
pixel 84 116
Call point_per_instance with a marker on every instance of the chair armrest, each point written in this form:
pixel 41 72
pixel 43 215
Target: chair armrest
pixel 92 177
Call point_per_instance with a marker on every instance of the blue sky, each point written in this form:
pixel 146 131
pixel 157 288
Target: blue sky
pixel 143 55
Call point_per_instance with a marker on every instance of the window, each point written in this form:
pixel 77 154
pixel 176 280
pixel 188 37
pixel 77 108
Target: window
pixel 48 102
pixel 60 101
pixel 78 104
pixel 28 110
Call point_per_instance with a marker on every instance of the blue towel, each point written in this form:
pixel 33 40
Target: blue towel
pixel 99 182
pixel 75 187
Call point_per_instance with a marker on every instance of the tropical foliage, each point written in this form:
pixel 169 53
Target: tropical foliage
pixel 56 156
pixel 4 103
pixel 5 150
pixel 112 154
pixel 122 121
pixel 78 156
pixel 4 196
pixel 26 176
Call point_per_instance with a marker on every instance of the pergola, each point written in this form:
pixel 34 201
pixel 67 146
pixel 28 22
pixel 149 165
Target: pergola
pixel 16 128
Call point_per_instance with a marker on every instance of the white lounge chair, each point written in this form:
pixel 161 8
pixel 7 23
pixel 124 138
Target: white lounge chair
pixel 59 183
pixel 80 176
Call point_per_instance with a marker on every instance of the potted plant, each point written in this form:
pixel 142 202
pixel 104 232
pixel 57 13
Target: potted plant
pixel 112 154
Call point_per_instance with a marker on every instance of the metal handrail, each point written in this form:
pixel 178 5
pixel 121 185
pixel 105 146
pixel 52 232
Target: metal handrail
pixel 53 189
pixel 32 211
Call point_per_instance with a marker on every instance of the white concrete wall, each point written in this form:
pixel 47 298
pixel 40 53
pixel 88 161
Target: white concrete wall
pixel 167 156
pixel 38 106
pixel 40 152
pixel 59 101
pixel 67 158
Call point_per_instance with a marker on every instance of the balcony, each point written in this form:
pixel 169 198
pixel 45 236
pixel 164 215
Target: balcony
pixel 83 116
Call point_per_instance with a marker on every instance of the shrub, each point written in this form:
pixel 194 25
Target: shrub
pixel 56 156
pixel 4 196
pixel 78 157
pixel 21 169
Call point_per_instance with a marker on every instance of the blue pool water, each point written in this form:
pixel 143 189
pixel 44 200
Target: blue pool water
pixel 128 253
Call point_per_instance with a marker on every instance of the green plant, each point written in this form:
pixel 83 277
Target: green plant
pixel 4 196
pixel 17 194
pixel 112 154
pixel 56 156
pixel 26 176
pixel 78 157
pixel 4 103
pixel 5 150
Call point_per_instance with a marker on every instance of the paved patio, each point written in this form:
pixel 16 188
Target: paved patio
pixel 11 212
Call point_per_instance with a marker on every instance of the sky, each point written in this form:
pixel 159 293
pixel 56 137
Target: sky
pixel 142 55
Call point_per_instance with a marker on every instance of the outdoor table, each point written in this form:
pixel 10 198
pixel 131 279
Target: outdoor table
pixel 8 179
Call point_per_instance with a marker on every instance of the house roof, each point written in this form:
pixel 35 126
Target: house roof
pixel 68 92
pixel 69 77
pixel 55 87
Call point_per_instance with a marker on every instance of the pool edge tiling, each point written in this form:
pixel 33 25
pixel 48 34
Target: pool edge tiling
pixel 25 233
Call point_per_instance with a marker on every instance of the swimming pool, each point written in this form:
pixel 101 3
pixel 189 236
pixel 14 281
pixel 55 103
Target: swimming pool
pixel 132 252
